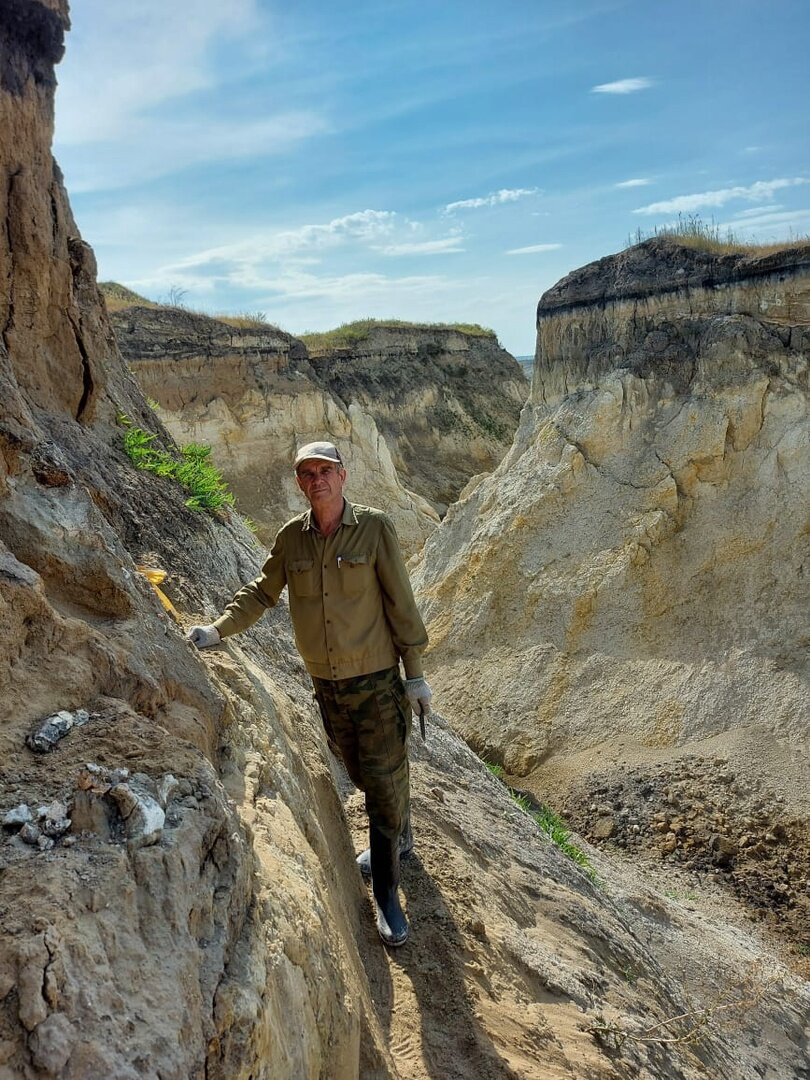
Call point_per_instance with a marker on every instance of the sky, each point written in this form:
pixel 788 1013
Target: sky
pixel 320 162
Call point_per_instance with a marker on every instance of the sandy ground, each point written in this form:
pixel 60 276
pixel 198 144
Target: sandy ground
pixel 467 997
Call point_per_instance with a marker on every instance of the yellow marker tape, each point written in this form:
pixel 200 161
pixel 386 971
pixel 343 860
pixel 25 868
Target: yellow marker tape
pixel 156 578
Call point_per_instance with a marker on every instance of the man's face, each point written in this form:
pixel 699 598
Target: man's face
pixel 321 481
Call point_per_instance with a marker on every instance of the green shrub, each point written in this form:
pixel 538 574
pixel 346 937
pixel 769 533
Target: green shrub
pixel 194 472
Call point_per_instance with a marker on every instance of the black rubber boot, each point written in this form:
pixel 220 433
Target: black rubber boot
pixel 405 848
pixel 391 921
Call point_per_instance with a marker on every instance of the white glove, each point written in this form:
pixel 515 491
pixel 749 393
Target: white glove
pixel 419 694
pixel 204 636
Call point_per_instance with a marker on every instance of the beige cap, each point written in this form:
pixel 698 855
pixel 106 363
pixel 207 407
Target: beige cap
pixel 322 451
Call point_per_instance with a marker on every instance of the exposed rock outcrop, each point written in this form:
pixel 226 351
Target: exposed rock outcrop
pixel 252 395
pixel 233 938
pixel 170 958
pixel 634 576
pixel 415 411
pixel 447 401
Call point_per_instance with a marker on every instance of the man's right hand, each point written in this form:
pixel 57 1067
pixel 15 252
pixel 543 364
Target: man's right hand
pixel 204 636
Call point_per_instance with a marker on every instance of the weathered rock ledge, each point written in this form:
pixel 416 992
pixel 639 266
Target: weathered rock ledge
pixel 447 402
pixel 651 309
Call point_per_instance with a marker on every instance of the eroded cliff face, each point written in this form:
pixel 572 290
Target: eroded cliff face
pixel 217 926
pixel 446 401
pixel 632 582
pixel 252 395
pixel 415 411
pixel 119 957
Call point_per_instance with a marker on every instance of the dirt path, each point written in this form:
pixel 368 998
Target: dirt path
pixel 514 956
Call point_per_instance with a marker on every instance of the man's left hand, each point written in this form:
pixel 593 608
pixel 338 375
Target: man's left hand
pixel 419 694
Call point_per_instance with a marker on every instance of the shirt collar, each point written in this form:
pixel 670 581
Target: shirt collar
pixel 349 517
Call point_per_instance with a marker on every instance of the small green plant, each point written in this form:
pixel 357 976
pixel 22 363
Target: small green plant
pixel 677 894
pixel 247 320
pixel 554 827
pixel 153 405
pixel 551 824
pixel 194 472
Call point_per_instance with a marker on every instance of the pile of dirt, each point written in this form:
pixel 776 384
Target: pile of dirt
pixel 704 817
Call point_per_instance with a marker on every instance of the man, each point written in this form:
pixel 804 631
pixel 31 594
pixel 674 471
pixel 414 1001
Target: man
pixel 354 618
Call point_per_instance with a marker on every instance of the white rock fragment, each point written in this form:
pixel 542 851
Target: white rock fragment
pixel 142 813
pixel 18 816
pixel 53 728
pixel 56 820
pixel 166 787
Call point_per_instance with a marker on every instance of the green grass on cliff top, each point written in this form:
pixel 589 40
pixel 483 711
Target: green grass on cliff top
pixel 119 298
pixel 348 334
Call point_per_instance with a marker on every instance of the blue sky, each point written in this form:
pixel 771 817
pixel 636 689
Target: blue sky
pixel 321 162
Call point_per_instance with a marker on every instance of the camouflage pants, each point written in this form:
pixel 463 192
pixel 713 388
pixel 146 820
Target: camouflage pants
pixel 368 720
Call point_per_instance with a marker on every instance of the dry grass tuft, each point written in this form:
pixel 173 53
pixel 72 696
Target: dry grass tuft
pixel 692 231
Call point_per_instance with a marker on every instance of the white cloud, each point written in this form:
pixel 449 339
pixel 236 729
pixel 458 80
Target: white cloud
pixel 363 226
pixel 449 245
pixel 369 286
pixel 758 211
pixel 771 223
pixel 496 198
pixel 636 182
pixel 623 86
pixel 283 261
pixel 147 150
pixel 533 249
pixel 161 51
pixel 761 191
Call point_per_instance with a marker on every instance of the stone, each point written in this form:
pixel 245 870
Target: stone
pixel 50 731
pixel 29 833
pixel 90 813
pixel 166 787
pixel 604 828
pixel 17 817
pixel 52 1042
pixel 142 814
pixel 724 848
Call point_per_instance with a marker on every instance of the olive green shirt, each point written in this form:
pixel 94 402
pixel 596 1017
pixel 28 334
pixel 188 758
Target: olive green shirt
pixel 351 602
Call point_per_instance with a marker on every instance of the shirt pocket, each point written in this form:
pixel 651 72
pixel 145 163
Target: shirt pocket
pixel 302 577
pixel 356 572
